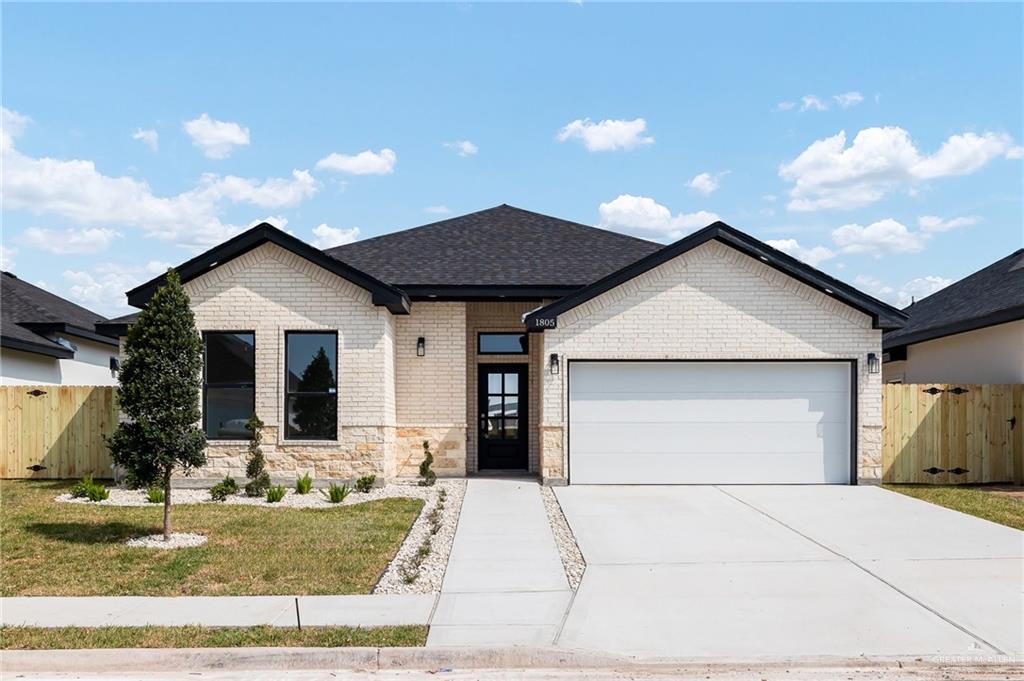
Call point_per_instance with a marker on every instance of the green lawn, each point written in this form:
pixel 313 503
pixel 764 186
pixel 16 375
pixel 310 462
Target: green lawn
pixel 40 638
pixel 975 501
pixel 60 549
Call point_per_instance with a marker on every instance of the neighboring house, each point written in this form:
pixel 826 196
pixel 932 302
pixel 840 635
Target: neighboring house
pixel 969 332
pixel 46 340
pixel 509 340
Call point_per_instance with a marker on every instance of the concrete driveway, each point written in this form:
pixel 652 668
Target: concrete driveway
pixel 752 571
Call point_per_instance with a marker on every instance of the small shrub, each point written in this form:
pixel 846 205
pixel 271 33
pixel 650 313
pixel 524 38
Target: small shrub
pixel 87 489
pixel 224 489
pixel 155 495
pixel 365 483
pixel 336 494
pixel 304 484
pixel 275 494
pixel 255 468
pixel 427 476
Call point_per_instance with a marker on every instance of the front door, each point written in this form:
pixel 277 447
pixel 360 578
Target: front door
pixel 501 422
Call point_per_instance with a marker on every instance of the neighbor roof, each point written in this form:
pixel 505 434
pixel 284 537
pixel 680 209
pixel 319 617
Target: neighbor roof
pixel 990 296
pixel 883 316
pixel 27 312
pixel 498 248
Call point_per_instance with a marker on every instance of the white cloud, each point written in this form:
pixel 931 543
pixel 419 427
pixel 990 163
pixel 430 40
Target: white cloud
pixel 329 237
pixel 706 183
pixel 931 224
pixel 463 147
pixel 813 256
pixel 877 239
pixel 643 215
pixel 216 138
pixel 12 125
pixel 915 289
pixel 437 210
pixel 784 106
pixel 274 192
pixel 149 137
pixel 103 288
pixel 809 102
pixel 86 241
pixel 7 254
pixel 830 174
pixel 608 135
pixel 848 99
pixel 364 163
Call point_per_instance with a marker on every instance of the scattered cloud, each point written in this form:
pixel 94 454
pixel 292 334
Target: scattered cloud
pixel 931 224
pixel 148 137
pixel 437 210
pixel 900 297
pixel 463 147
pixel 12 125
pixel 103 288
pixel 7 254
pixel 274 192
pixel 644 216
pixel 329 237
pixel 813 256
pixel 770 198
pixel 812 103
pixel 608 135
pixel 216 138
pixel 707 183
pixel 848 99
pixel 85 241
pixel 828 174
pixel 877 239
pixel 784 106
pixel 364 163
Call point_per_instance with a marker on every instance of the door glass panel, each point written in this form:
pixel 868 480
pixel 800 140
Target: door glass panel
pixel 494 406
pixel 493 429
pixel 512 406
pixel 511 429
pixel 494 383
pixel 511 384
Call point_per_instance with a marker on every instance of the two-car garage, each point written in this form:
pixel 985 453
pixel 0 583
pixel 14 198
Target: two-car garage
pixel 698 422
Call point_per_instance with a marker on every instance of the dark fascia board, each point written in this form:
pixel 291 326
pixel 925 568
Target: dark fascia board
pixel 486 292
pixel 883 316
pixel 383 294
pixel 1010 314
pixel 70 330
pixel 112 329
pixel 51 350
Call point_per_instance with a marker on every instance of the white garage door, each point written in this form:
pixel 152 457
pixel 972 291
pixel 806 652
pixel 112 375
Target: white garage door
pixel 709 422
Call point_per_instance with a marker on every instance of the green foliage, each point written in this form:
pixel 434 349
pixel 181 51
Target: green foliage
pixel 275 494
pixel 313 413
pixel 336 494
pixel 304 484
pixel 224 489
pixel 427 476
pixel 365 483
pixel 87 489
pixel 155 495
pixel 255 467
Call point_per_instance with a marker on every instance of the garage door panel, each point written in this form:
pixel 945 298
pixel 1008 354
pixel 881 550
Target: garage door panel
pixel 722 377
pixel 645 468
pixel 710 438
pixel 710 407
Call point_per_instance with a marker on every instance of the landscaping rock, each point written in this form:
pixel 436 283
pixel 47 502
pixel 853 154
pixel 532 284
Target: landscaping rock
pixel 178 540
pixel 572 557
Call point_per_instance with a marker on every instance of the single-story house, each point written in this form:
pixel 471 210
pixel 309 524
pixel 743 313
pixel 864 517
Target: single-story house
pixel 514 341
pixel 969 332
pixel 47 340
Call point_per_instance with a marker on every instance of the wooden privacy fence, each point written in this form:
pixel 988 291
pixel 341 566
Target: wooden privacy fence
pixel 52 431
pixel 952 434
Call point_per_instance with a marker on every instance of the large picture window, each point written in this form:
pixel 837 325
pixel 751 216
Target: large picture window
pixel 229 383
pixel 311 385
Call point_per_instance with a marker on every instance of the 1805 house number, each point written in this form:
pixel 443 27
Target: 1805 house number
pixel 546 323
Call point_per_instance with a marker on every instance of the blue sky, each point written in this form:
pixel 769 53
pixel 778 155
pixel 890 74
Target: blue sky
pixel 136 135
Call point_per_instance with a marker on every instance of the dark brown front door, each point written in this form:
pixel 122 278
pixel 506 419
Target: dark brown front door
pixel 501 421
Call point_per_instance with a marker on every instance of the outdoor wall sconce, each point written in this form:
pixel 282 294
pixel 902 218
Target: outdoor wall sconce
pixel 115 364
pixel 553 363
pixel 873 364
pixel 421 346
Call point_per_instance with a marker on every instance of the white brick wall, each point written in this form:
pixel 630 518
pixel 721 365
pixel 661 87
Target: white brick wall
pixel 431 390
pixel 713 303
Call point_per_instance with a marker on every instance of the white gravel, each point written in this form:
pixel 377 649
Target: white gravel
pixel 178 540
pixel 572 558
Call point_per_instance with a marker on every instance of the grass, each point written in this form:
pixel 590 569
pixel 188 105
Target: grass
pixel 43 638
pixel 58 549
pixel 974 501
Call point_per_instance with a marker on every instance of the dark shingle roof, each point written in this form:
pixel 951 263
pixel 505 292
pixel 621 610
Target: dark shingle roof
pixel 26 309
pixel 990 296
pixel 501 246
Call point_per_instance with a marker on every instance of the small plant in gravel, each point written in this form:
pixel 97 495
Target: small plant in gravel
pixel 410 569
pixel 304 484
pixel 427 476
pixel 155 495
pixel 365 483
pixel 275 494
pixel 87 489
pixel 336 493
pixel 255 467
pixel 224 489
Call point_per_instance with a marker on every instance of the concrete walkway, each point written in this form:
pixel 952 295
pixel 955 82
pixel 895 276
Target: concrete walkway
pixel 505 584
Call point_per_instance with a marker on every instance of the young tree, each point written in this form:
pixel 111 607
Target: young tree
pixel 158 393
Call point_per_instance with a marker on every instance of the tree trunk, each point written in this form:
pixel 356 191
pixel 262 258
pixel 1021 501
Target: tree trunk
pixel 167 505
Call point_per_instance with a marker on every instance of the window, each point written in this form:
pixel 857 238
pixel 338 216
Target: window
pixel 502 344
pixel 229 384
pixel 311 385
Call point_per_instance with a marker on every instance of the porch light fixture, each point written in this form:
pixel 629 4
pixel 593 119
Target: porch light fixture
pixel 115 364
pixel 553 363
pixel 873 364
pixel 421 346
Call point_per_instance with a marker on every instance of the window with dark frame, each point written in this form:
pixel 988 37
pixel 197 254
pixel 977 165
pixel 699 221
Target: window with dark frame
pixel 513 343
pixel 229 384
pixel 311 385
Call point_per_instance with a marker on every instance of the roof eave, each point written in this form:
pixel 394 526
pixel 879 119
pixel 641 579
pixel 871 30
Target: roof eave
pixel 52 350
pixel 70 330
pixel 1010 314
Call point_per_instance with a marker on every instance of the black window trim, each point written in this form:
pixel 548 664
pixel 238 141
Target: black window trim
pixel 481 334
pixel 288 393
pixel 206 383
